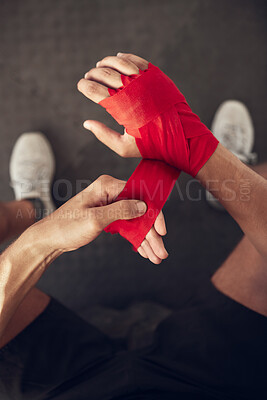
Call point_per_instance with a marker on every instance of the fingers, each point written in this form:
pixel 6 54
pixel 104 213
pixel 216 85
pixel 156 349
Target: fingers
pixel 160 225
pixel 156 243
pixel 153 247
pixel 146 247
pixel 123 209
pixel 103 191
pixel 110 138
pixel 142 252
pixel 141 63
pixel 121 65
pixel 105 76
pixel 93 90
pixel 124 145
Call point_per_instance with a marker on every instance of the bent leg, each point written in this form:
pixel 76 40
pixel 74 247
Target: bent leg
pixel 31 307
pixel 15 217
pixel 243 275
pixel 54 356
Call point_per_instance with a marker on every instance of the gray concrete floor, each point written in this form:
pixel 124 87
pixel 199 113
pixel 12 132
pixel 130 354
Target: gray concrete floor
pixel 214 50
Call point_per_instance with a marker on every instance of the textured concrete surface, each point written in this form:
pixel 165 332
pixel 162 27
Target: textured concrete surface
pixel 214 50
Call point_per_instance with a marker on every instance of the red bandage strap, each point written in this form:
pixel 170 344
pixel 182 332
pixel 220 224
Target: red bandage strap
pixel 155 112
pixel 130 108
pixel 152 182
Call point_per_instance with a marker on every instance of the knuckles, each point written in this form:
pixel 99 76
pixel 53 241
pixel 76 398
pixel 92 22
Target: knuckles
pixel 105 71
pixel 110 59
pixel 95 72
pixel 103 182
pixel 91 87
pixel 87 86
pixel 105 179
pixel 105 59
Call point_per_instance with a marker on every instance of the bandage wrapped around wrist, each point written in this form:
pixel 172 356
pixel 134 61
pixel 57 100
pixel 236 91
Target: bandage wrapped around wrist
pixel 152 182
pixel 154 111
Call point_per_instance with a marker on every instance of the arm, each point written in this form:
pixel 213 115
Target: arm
pixel 21 266
pixel 72 226
pixel 241 191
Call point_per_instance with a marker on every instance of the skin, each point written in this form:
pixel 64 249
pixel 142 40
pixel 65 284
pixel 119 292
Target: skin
pixel 75 224
pixel 243 275
pixel 223 167
pixel 95 86
pixel 12 226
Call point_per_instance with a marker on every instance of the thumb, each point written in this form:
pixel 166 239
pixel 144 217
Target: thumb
pixel 110 138
pixel 123 209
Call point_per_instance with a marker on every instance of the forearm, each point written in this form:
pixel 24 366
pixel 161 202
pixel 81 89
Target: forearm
pixel 241 191
pixel 21 266
pixel 74 225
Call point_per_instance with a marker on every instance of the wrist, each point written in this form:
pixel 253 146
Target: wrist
pixel 38 238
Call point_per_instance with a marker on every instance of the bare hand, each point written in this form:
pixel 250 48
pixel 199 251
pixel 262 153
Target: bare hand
pixel 80 220
pixel 94 86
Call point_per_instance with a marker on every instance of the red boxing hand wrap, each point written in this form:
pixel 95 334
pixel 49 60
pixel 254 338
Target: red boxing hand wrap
pixel 155 112
pixel 152 182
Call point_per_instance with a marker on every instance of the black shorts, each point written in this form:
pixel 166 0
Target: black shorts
pixel 211 348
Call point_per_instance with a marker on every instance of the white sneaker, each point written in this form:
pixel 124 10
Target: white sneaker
pixel 32 168
pixel 232 126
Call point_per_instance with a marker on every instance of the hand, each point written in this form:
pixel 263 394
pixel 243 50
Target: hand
pixel 95 84
pixel 80 220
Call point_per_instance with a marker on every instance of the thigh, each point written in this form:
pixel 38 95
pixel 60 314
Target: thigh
pixel 55 348
pixel 218 340
pixel 217 344
pixel 34 303
pixel 243 277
